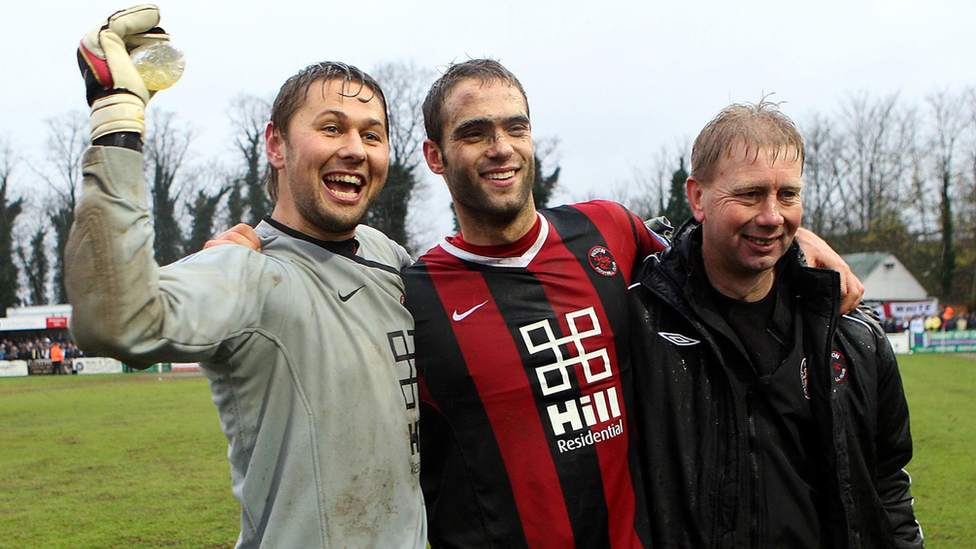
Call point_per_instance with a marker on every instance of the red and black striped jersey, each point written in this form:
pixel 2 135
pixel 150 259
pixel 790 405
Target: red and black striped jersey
pixel 525 385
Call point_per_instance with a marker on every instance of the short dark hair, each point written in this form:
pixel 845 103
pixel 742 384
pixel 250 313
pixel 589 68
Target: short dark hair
pixel 754 125
pixel 294 91
pixel 486 71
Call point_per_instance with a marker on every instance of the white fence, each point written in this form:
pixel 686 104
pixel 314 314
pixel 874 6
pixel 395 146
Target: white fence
pixel 900 343
pixel 13 368
pixel 97 365
pixel 88 365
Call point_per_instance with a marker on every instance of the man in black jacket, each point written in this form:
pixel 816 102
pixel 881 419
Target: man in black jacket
pixel 766 419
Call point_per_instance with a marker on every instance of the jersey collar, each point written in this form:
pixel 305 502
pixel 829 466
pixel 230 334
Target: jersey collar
pixel 519 260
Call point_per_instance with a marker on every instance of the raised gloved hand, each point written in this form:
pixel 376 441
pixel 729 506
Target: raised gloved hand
pixel 116 92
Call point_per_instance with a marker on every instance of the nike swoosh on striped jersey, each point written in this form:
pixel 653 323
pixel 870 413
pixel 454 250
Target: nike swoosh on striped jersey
pixel 459 317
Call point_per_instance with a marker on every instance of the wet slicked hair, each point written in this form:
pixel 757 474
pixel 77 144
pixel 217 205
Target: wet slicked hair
pixel 485 71
pixel 753 125
pixel 294 92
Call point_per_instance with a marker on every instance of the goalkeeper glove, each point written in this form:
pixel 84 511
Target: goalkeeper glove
pixel 116 92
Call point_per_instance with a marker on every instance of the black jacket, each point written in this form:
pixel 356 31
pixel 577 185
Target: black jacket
pixel 694 415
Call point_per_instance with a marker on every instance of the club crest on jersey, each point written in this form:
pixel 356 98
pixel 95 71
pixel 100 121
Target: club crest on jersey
pixel 602 261
pixel 839 365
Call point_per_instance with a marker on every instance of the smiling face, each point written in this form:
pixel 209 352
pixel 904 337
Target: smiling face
pixel 332 161
pixel 749 213
pixel 487 160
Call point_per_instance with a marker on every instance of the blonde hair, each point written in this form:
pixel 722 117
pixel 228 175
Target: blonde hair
pixel 753 125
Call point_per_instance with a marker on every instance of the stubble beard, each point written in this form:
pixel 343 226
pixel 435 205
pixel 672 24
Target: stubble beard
pixel 468 193
pixel 316 211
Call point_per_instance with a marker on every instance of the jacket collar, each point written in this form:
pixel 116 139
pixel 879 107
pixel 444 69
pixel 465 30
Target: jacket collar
pixel 678 276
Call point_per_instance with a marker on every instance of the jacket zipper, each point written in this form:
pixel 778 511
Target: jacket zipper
pixel 832 403
pixel 754 470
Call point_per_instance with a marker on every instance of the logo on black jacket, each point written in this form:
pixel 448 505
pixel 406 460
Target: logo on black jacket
pixel 805 379
pixel 602 262
pixel 678 339
pixel 839 365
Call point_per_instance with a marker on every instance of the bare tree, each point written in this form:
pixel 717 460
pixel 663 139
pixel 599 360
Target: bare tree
pixel 249 117
pixel 167 143
pixel 636 192
pixel 647 191
pixel 821 175
pixel 922 207
pixel 67 143
pixel 871 159
pixel 405 86
pixel 949 124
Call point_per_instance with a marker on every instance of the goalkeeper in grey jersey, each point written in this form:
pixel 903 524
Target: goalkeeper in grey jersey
pixel 307 346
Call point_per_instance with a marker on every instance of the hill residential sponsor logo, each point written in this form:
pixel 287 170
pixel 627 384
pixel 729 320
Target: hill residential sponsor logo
pixel 591 438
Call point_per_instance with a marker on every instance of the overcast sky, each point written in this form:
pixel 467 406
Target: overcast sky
pixel 613 81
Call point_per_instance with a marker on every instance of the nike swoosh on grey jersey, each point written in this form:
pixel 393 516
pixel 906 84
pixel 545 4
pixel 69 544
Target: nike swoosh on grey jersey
pixel 458 317
pixel 347 297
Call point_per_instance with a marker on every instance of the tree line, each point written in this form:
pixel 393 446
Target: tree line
pixel 880 174
pixel 190 201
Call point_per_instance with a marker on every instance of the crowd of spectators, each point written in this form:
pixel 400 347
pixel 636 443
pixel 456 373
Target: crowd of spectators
pixel 947 320
pixel 36 345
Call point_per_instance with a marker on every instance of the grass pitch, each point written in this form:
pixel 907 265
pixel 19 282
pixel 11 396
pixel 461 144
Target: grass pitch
pixel 129 460
pixel 138 460
pixel 941 392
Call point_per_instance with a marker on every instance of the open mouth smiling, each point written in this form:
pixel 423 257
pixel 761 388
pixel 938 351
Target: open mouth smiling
pixel 346 187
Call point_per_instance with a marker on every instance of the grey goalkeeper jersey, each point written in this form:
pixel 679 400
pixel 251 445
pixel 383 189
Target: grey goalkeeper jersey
pixel 307 346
